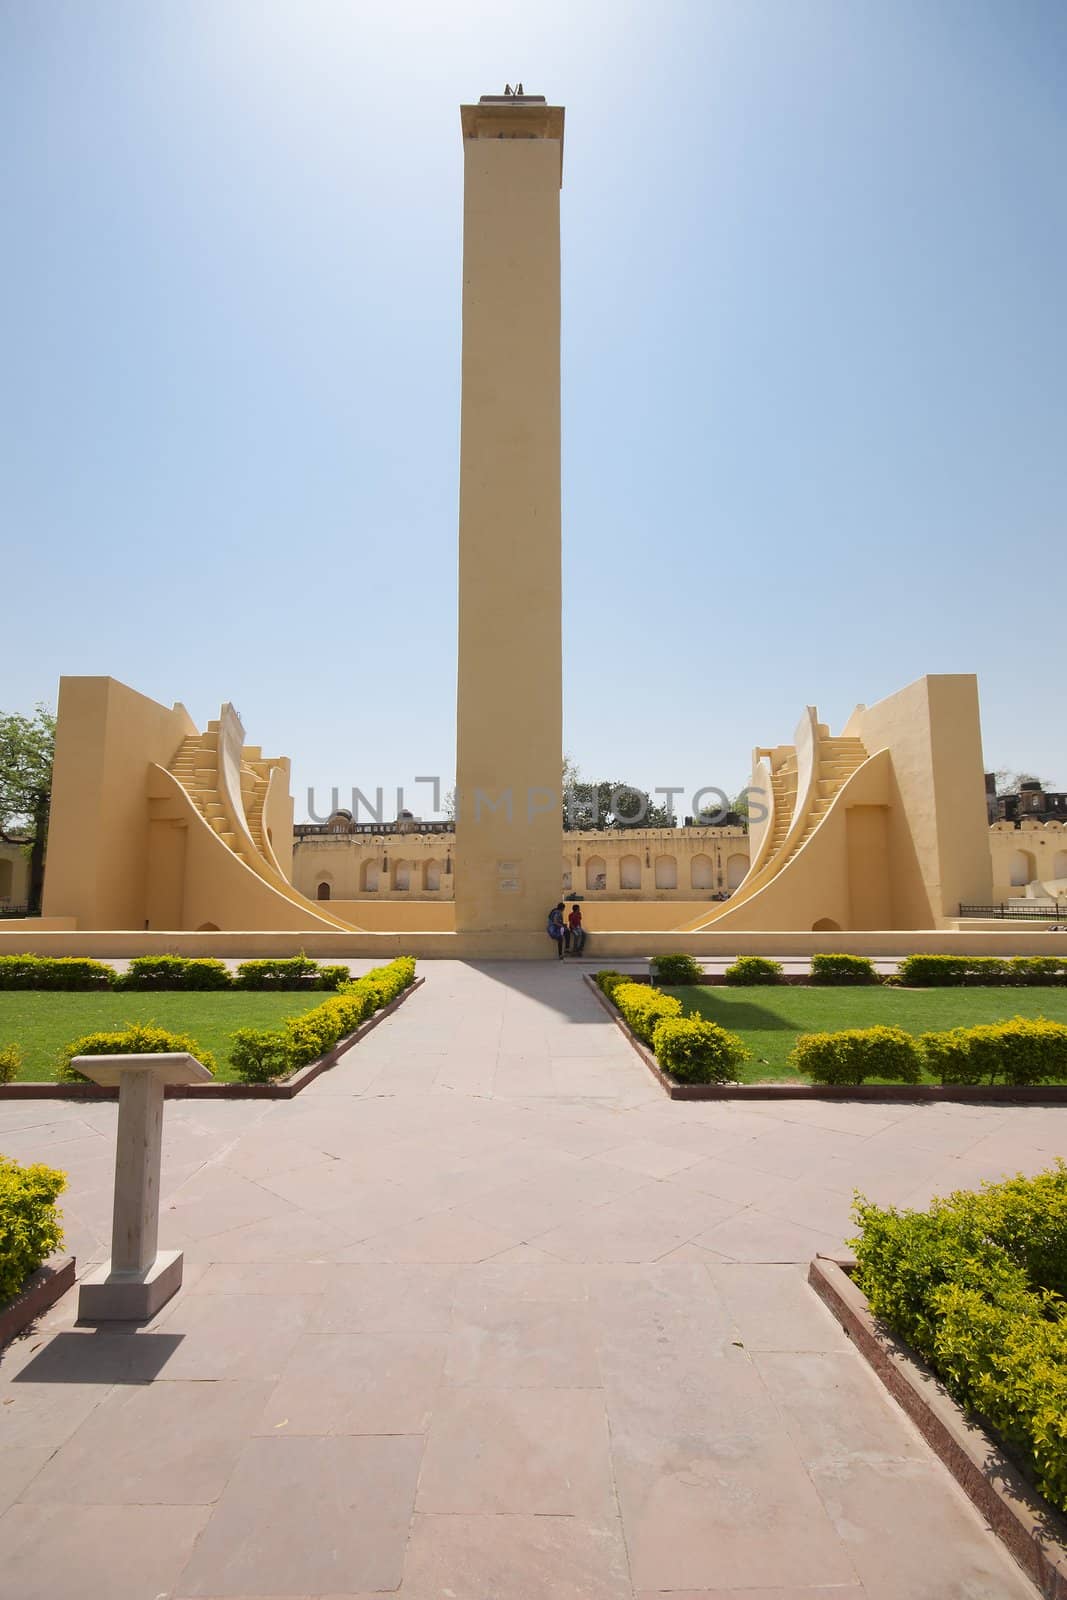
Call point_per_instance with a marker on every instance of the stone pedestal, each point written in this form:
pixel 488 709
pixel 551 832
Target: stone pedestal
pixel 138 1278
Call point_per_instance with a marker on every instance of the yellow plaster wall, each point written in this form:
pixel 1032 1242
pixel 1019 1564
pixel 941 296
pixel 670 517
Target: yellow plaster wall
pixel 106 737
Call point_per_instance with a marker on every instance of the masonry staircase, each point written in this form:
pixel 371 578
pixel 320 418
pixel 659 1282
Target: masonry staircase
pixel 835 760
pixel 196 767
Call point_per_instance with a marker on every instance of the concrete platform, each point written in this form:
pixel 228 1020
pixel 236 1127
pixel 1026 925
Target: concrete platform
pixel 482 1312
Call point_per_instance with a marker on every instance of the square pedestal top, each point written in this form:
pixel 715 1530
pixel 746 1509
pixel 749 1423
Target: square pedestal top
pixel 171 1066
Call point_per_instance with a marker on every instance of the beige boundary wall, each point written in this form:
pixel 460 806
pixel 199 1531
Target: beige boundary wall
pixel 1002 940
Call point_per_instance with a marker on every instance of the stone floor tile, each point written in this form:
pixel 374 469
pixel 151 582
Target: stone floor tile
pixel 775 1308
pixel 19 1465
pixel 445 1236
pixel 386 1297
pixel 836 1410
pixel 308 1516
pixel 737 1511
pixel 910 1531
pixel 542 1452
pixel 262 1277
pixel 754 1236
pixel 515 1342
pixel 235 1335
pixel 517 1557
pixel 651 1159
pixel 154 1444
pixel 357 1383
pixel 294 1236
pixel 101 1552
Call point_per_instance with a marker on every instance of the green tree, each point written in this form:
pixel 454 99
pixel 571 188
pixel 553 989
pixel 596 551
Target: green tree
pixel 27 750
pixel 609 805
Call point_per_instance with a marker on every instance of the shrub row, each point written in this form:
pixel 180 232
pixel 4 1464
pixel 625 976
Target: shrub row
pixel 29 1222
pixel 1023 1051
pixel 166 972
pixel 689 1049
pixel 913 971
pixel 955 971
pixel 976 1286
pixel 259 1055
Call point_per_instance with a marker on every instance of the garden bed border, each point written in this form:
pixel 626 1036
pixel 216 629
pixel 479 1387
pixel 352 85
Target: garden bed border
pixel 980 1093
pixel 1034 1531
pixel 281 1089
pixel 40 1291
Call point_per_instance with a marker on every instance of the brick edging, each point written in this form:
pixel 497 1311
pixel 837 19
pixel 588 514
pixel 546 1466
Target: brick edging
pixel 980 1093
pixel 1034 1532
pixel 286 1089
pixel 41 1290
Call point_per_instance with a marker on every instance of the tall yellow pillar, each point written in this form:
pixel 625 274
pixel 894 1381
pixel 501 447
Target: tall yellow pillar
pixel 510 711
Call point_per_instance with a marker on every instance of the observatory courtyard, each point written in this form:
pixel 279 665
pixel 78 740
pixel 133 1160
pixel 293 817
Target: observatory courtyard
pixel 444 1286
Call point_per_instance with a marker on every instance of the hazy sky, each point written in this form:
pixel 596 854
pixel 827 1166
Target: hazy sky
pixel 814 365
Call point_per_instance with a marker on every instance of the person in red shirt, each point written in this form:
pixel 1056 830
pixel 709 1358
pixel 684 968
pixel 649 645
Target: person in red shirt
pixel 577 932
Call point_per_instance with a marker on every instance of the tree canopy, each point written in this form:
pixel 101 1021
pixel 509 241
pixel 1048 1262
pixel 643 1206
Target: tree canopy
pixel 27 746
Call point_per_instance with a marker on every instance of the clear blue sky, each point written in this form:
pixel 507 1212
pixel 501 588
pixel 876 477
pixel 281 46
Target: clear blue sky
pixel 814 365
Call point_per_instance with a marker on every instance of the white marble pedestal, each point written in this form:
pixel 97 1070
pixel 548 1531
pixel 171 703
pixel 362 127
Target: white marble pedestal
pixel 138 1278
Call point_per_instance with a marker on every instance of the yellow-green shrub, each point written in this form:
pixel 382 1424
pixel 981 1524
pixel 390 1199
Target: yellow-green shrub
pixel 975 1285
pixel 136 1039
pixel 10 1062
pixel 692 1050
pixel 29 1222
pixel 1022 1051
pixel 642 1006
pixel 258 1055
pixel 855 1054
pixel 607 981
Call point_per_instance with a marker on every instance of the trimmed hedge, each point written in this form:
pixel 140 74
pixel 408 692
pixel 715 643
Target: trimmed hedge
pixel 54 972
pixel 29 1222
pixel 10 1062
pixel 259 1055
pixel 174 972
pixel 976 1286
pixel 841 968
pixel 693 1050
pixel 689 1049
pixel 754 969
pixel 1023 1051
pixel 955 971
pixel 292 972
pixel 856 1054
pixel 139 1038
pixel 677 968
pixel 642 1007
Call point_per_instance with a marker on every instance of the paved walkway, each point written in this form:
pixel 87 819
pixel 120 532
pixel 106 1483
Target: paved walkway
pixel 483 1316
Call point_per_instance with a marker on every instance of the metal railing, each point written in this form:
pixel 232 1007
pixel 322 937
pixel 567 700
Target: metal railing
pixel 1006 913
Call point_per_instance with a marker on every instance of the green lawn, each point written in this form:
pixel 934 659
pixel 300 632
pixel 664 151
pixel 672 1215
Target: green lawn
pixel 769 1018
pixel 43 1022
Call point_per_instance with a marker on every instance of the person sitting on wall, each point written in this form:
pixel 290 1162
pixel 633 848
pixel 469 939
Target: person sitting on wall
pixel 556 928
pixel 576 942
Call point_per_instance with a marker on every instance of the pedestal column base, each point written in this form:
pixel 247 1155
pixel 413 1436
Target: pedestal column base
pixel 104 1296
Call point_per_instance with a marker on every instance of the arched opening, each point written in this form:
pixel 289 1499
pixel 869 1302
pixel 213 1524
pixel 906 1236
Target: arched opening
pixel 596 873
pixel 323 891
pixel 826 925
pixel 1059 867
pixel 666 872
pixel 7 879
pixel 208 927
pixel 736 871
pixel 369 877
pixel 568 873
pixel 630 872
pixel 402 875
pixel 1022 869
pixel 431 874
pixel 701 873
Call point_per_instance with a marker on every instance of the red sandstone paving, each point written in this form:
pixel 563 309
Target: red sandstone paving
pixel 482 1314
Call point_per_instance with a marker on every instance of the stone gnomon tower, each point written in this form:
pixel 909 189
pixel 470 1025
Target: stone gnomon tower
pixel 510 688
